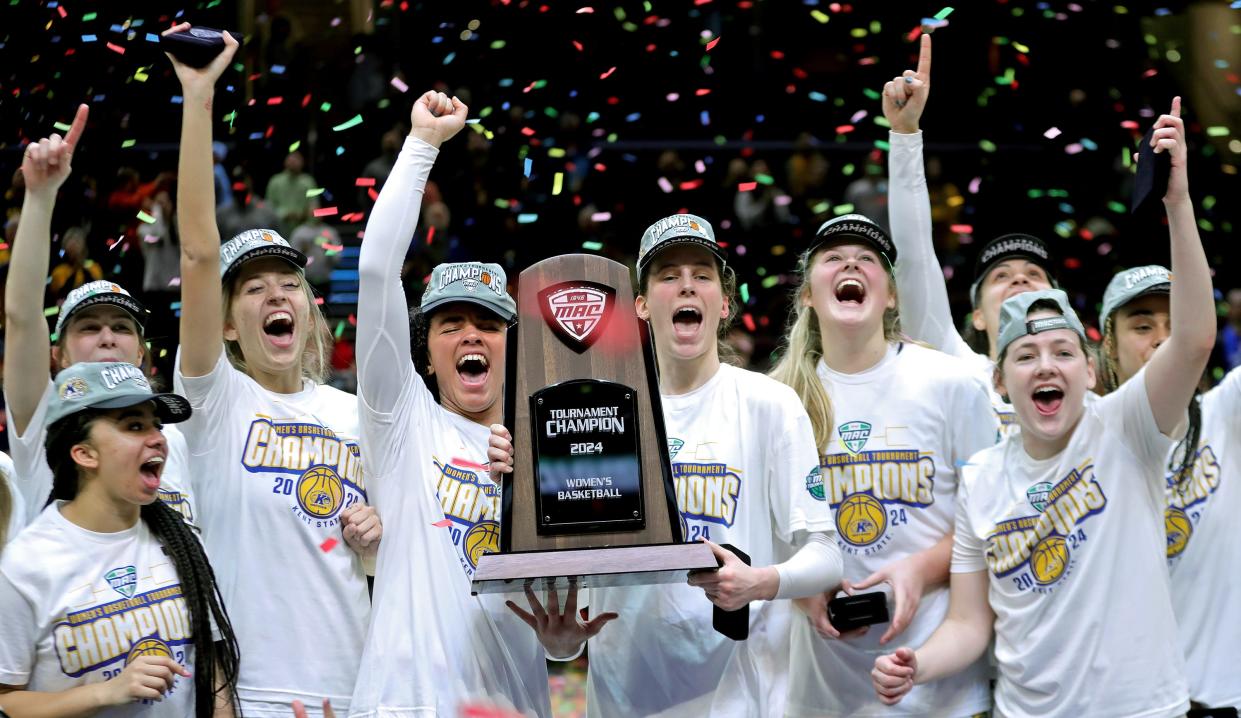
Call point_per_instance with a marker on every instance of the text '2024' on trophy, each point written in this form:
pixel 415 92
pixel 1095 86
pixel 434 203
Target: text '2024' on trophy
pixel 591 494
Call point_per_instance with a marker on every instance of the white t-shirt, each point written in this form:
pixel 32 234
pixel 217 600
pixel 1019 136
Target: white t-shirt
pixel 431 645
pixel 17 516
pixel 1204 551
pixel 76 606
pixel 274 472
pixel 34 477
pixel 1074 548
pixel 890 475
pixel 742 455
pixel 926 314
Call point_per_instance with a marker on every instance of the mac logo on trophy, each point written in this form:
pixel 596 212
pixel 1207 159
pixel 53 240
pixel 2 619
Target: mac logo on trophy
pixel 591 494
pixel 578 311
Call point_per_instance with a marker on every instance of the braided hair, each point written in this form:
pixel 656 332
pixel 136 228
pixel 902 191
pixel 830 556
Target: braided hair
pixel 212 660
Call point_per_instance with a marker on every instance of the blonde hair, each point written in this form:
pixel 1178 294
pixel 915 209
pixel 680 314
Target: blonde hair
pixel 316 355
pixel 802 349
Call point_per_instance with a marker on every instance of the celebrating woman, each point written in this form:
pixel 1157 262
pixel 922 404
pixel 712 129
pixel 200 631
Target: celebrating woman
pixel 894 420
pixel 1204 486
pixel 432 645
pixel 1053 520
pixel 99 321
pixel 107 601
pixel 274 449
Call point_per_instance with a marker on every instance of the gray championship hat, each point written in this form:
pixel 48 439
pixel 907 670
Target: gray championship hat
pixel 109 385
pixel 1008 246
pixel 101 292
pixel 255 243
pixel 674 230
pixel 848 227
pixel 1015 324
pixel 472 282
pixel 1131 284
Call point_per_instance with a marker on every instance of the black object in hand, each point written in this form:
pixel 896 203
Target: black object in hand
pixel 733 624
pixel 1151 183
pixel 864 609
pixel 198 46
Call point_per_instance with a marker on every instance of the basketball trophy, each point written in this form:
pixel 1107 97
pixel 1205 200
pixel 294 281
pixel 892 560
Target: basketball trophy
pixel 591 496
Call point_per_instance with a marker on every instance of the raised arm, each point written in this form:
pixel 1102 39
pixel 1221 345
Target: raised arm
pixel 202 319
pixel 45 167
pixel 926 314
pixel 384 365
pixel 1177 365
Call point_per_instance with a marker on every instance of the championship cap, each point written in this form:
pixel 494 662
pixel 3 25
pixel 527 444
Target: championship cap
pixel 855 226
pixel 1008 246
pixel 109 385
pixel 674 230
pixel 255 243
pixel 1131 284
pixel 1015 324
pixel 473 282
pixel 101 292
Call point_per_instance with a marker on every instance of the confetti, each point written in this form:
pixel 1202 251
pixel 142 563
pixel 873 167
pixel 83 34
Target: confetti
pixel 328 544
pixel 711 45
pixel 442 524
pixel 357 120
pixel 605 75
pixel 326 212
pixel 457 460
pixel 399 84
pixel 146 217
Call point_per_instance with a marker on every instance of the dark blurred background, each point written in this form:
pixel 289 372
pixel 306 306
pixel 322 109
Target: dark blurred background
pixel 593 119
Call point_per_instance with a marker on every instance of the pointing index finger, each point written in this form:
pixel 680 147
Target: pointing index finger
pixel 1176 106
pixel 79 124
pixel 924 58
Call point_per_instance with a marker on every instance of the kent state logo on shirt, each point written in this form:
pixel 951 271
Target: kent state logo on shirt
pixel 320 472
pixel 471 502
pixel 1037 551
pixel 1189 494
pixel 110 635
pixel 870 491
pixel 707 493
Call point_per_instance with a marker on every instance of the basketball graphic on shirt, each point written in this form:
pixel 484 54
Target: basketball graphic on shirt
pixel 320 492
pixel 860 519
pixel 148 647
pixel 483 537
pixel 1178 528
pixel 1049 559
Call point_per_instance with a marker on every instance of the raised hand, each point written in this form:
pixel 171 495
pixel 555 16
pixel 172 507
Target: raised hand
pixel 45 165
pixel 145 678
pixel 893 675
pixel 198 84
pixel 436 117
pixel 904 98
pixel 561 633
pixel 1169 136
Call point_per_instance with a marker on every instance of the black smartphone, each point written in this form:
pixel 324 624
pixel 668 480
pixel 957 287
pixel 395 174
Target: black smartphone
pixel 1151 182
pixel 198 46
pixel 864 609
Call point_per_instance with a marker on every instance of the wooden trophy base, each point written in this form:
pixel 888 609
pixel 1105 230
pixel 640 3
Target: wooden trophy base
pixel 591 567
